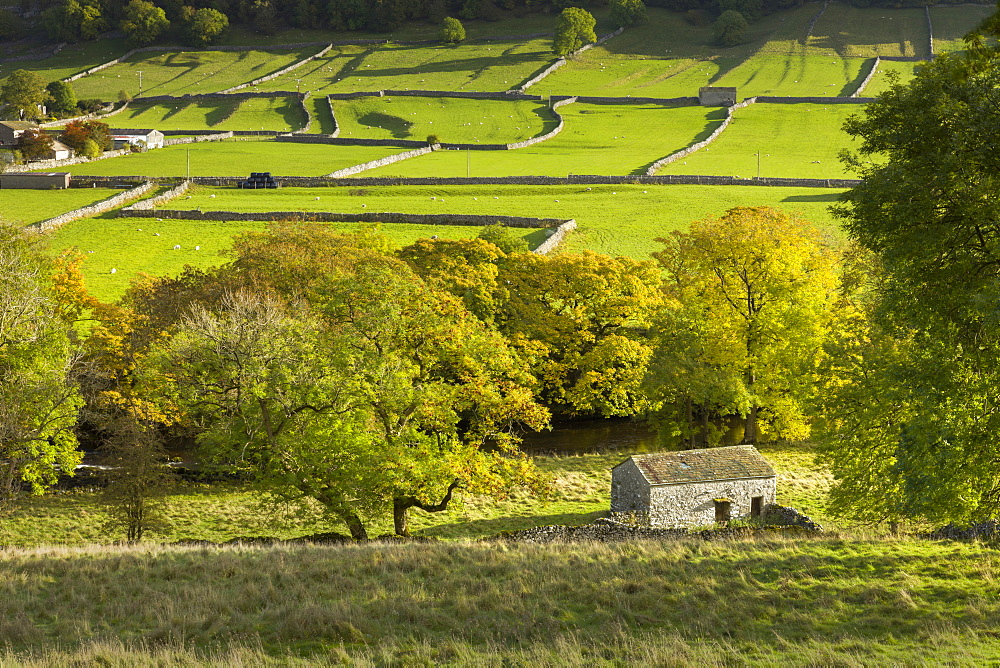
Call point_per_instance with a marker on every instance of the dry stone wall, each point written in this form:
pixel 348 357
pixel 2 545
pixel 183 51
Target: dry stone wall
pixel 195 97
pixel 383 161
pixel 332 217
pixel 217 136
pixel 562 61
pixel 556 238
pixel 333 117
pixel 53 164
pixel 868 78
pixel 286 70
pixel 84 181
pixel 107 112
pixel 93 209
pixel 153 202
pixel 930 31
pixel 812 23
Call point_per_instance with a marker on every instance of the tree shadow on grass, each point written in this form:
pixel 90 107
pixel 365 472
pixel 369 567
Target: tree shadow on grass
pixel 399 127
pixel 852 85
pixel 821 197
pixel 494 526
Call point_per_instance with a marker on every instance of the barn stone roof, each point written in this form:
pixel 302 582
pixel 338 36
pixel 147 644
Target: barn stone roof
pixel 728 463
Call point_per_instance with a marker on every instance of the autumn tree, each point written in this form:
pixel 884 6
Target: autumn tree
pixel 24 92
pixel 749 305
pixel 914 429
pixel 35 144
pixel 574 28
pixel 39 399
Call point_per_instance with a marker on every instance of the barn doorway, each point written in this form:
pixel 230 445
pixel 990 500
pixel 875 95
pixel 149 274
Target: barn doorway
pixel 723 510
pixel 756 506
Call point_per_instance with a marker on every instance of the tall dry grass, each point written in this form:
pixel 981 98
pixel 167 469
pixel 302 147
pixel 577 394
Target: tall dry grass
pixel 821 601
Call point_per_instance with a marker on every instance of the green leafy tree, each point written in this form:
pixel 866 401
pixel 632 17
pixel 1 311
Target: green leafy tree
pixel 574 28
pixel 11 26
pixel 144 22
pixel 62 97
pixel 452 31
pixel 73 20
pixel 925 416
pixel 627 12
pixel 39 399
pixel 750 300
pixel 24 92
pixel 748 9
pixel 204 26
pixel 730 28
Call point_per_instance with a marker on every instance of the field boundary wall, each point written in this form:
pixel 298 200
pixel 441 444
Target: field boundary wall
pixel 92 209
pixel 389 217
pixel 812 23
pixel 51 164
pixel 552 67
pixel 301 99
pixel 153 202
pixel 107 112
pixel 333 116
pixel 868 78
pixel 556 238
pixel 218 136
pixel 576 179
pixel 930 31
pixel 195 97
pixel 382 162
pixel 286 70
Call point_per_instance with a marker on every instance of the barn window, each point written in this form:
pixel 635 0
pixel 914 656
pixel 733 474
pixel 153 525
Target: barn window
pixel 722 509
pixel 756 506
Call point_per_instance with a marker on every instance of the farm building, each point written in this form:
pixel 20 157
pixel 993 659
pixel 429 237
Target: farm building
pixel 716 96
pixel 693 487
pixel 11 131
pixel 146 138
pixel 58 151
pixel 35 180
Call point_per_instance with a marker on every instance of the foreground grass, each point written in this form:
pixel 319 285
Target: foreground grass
pixel 819 601
pixel 218 512
pixel 777 132
pixel 235 158
pixel 30 206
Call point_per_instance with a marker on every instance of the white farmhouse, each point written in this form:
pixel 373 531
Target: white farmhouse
pixel 145 138
pixel 693 487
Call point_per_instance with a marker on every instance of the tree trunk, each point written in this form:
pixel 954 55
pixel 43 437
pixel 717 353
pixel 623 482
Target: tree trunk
pixel 401 504
pixel 354 524
pixel 750 427
pixel 690 419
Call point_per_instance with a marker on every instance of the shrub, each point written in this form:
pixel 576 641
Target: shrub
pixel 627 12
pixel 731 28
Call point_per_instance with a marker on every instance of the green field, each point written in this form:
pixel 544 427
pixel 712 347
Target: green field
pixel 235 158
pixel 185 72
pixel 71 59
pixel 596 139
pixel 874 31
pixel 451 119
pixel 794 141
pixel 281 114
pixel 478 66
pixel 881 81
pixel 951 24
pixel 30 206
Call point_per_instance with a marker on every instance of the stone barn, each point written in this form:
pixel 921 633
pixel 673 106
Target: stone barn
pixel 716 96
pixel 693 487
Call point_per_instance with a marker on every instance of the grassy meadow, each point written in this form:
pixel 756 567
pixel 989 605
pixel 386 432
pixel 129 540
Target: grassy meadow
pixel 951 24
pixel 451 119
pixel 871 31
pixel 596 139
pixel 882 80
pixel 478 66
pixel 618 220
pixel 28 206
pixel 235 158
pixel 71 59
pixel 279 114
pixel 794 140
pixel 185 72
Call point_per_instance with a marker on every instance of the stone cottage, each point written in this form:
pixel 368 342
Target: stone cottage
pixel 693 487
pixel 11 132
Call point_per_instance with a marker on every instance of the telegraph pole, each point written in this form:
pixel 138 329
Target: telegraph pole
pixel 189 164
pixel 140 84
